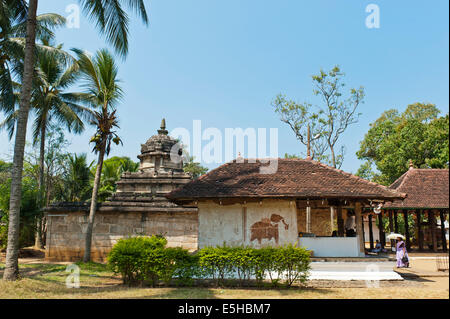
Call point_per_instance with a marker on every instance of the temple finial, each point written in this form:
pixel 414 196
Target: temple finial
pixel 163 130
pixel 411 165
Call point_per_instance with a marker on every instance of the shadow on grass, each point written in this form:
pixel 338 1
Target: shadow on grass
pixel 48 280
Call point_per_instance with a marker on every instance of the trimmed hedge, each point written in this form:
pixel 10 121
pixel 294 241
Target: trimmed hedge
pixel 147 261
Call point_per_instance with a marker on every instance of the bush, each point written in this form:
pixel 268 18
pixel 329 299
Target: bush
pixel 129 257
pixel 295 263
pixel 216 262
pixel 146 260
pixel 288 263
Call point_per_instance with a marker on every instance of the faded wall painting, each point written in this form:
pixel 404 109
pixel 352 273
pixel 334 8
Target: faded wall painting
pixel 267 228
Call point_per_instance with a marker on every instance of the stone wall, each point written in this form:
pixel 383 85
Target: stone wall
pixel 66 231
pixel 270 222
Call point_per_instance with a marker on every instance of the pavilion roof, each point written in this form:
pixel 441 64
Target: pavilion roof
pixel 294 178
pixel 426 188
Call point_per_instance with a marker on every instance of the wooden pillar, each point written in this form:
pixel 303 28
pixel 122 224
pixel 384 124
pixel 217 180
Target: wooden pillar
pixel 444 240
pixel 419 229
pixel 308 219
pixel 408 237
pixel 359 229
pixel 244 224
pixel 331 219
pixel 432 222
pixel 340 221
pixel 391 226
pixel 395 222
pixel 363 232
pixel 371 232
pixel 380 229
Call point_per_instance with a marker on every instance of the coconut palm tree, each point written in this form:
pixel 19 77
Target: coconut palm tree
pixel 12 46
pixel 12 250
pixel 100 82
pixel 52 103
pixel 113 22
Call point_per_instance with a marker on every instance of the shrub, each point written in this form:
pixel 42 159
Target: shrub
pixel 288 263
pixel 295 263
pixel 147 260
pixel 129 257
pixel 242 259
pixel 266 264
pixel 216 262
pixel 187 267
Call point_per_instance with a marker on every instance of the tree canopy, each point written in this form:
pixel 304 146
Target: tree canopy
pixel 418 134
pixel 324 123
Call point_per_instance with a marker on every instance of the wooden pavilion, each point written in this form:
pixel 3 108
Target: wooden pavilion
pixel 427 196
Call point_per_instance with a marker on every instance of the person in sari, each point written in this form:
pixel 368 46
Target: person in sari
pixel 401 253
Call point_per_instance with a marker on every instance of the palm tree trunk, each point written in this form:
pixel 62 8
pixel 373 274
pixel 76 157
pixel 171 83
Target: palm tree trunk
pixel 38 239
pixel 12 252
pixel 98 172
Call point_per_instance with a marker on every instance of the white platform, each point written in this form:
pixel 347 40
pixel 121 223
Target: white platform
pixel 331 246
pixel 353 271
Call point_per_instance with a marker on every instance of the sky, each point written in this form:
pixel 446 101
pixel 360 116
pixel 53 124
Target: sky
pixel 223 63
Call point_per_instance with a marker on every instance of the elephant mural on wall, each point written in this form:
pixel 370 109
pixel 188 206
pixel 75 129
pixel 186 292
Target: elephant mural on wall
pixel 267 229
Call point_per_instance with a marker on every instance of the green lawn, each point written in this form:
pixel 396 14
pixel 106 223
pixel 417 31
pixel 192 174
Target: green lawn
pixel 49 281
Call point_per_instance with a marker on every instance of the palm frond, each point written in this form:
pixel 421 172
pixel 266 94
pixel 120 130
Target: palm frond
pixel 112 20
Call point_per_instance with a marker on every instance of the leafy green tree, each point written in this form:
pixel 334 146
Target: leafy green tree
pixel 287 156
pixel 326 122
pixel 394 139
pixel 194 168
pixel 365 171
pixel 75 179
pixel 112 170
pixel 29 205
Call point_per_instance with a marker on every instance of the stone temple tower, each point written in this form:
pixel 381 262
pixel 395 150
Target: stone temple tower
pixel 138 207
pixel 160 170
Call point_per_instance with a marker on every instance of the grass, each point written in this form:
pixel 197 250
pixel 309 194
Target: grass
pixel 97 281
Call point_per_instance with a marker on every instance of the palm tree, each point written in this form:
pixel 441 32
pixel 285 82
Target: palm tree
pixel 12 46
pixel 51 103
pixel 113 22
pixel 75 185
pixel 12 251
pixel 102 85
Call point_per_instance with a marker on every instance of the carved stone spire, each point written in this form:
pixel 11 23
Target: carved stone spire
pixel 163 130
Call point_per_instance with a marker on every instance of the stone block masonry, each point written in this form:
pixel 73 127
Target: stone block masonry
pixel 138 207
pixel 66 231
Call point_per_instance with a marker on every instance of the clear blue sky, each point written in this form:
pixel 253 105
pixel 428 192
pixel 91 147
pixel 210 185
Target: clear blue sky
pixel 223 62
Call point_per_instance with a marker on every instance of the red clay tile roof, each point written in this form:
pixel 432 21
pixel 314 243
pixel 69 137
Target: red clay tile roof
pixel 294 178
pixel 426 188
